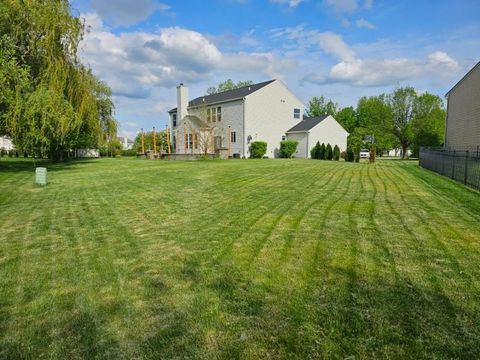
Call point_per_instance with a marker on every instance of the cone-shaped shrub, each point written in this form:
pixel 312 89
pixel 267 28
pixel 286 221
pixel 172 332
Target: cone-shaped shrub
pixel 322 152
pixel 315 152
pixel 328 152
pixel 336 153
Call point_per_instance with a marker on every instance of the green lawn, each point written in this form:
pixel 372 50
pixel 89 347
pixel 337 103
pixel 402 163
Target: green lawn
pixel 126 258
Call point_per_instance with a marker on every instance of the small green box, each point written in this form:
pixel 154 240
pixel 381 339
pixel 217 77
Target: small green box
pixel 41 176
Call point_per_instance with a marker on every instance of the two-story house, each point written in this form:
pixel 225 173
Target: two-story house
pixel 231 120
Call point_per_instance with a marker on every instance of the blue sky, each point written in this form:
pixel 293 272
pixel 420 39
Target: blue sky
pixel 342 49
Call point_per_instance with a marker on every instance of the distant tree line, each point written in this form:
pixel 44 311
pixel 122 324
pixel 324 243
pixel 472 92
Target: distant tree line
pixel 402 119
pixel 50 103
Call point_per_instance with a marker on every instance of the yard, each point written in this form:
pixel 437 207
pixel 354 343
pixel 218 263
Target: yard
pixel 126 258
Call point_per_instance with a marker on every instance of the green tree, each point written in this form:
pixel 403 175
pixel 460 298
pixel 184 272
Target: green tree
pixel 64 106
pixel 319 106
pixel 347 118
pixel 375 118
pixel 402 103
pixel 228 85
pixel 428 125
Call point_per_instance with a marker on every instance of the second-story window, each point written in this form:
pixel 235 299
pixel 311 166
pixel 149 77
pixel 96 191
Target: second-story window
pixel 219 113
pixel 209 117
pixel 174 120
pixel 296 113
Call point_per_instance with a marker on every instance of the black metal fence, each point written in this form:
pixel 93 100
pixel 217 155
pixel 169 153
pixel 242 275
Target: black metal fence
pixel 460 165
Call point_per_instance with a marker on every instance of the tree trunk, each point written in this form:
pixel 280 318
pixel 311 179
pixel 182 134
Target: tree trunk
pixel 404 150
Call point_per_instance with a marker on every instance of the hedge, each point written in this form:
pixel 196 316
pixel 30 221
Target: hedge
pixel 258 149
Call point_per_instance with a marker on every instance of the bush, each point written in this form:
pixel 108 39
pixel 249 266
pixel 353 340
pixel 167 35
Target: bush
pixel 350 157
pixel 343 155
pixel 130 152
pixel 288 148
pixel 315 152
pixel 323 149
pixel 336 153
pixel 328 152
pixel 258 149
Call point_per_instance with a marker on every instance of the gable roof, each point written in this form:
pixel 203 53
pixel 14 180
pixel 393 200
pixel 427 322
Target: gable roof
pixel 308 123
pixel 234 94
pixel 463 78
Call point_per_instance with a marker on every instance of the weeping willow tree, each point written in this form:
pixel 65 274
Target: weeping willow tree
pixel 62 106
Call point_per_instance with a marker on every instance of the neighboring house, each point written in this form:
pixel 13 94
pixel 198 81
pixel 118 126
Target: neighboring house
pixel 232 120
pixel 6 143
pixel 324 129
pixel 127 144
pixel 87 153
pixel 463 113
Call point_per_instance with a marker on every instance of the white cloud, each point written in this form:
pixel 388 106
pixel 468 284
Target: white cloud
pixel 301 38
pixel 333 44
pixel 384 72
pixel 362 23
pixel 290 3
pixel 134 63
pixel 342 6
pixel 127 12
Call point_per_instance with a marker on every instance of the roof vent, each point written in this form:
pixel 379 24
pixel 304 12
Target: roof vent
pixel 249 88
pixel 203 99
pixel 181 84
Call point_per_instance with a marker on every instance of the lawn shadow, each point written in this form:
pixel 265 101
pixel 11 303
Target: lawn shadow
pixel 14 165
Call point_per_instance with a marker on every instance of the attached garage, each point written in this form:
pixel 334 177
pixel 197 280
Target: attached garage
pixel 324 129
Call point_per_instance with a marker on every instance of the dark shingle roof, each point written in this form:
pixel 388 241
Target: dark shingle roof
pixel 227 95
pixel 308 123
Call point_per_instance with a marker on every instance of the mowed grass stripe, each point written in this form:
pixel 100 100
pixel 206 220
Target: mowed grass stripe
pixel 228 259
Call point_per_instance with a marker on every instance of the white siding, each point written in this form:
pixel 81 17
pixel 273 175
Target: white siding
pixel 269 114
pixel 463 115
pixel 303 150
pixel 328 131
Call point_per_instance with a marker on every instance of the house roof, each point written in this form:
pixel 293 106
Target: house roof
pixel 463 78
pixel 226 95
pixel 307 123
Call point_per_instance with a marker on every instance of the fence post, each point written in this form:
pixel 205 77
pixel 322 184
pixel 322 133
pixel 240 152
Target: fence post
pixel 453 165
pixel 466 168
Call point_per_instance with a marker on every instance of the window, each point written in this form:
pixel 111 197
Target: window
pixel 209 119
pixel 214 114
pixel 195 140
pixel 296 113
pixel 174 143
pixel 174 120
pixel 190 141
pixel 219 114
pixel 186 141
pixel 233 137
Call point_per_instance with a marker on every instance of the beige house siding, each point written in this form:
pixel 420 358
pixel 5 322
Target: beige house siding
pixel 463 113
pixel 328 131
pixel 303 150
pixel 268 114
pixel 232 116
